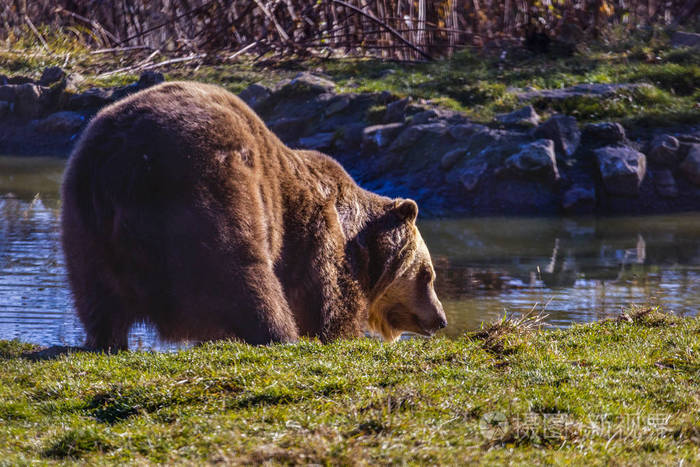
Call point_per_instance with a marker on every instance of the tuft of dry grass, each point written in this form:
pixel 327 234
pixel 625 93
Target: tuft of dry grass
pixel 648 315
pixel 503 335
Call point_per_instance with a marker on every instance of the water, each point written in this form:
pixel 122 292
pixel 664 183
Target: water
pixel 575 270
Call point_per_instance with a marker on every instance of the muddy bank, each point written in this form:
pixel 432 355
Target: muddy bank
pixel 517 165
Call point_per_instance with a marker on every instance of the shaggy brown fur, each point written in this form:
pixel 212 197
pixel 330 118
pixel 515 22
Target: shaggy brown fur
pixel 182 209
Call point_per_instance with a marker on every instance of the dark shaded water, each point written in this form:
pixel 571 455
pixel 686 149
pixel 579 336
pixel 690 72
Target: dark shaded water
pixel 576 270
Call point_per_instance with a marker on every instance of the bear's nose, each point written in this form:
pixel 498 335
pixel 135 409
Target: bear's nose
pixel 442 323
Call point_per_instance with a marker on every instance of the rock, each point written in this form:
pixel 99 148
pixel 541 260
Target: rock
pixel 603 134
pixel 525 117
pixel 663 150
pixel 19 79
pixel 52 75
pixel 255 95
pixel 415 133
pixel 4 109
pixel 472 174
pixel 579 200
pixel 451 157
pixel 7 92
pixel 535 158
pixel 306 82
pixel 395 111
pixel 350 137
pixel 464 131
pixel 563 130
pixel 289 129
pixel 433 115
pixel 91 99
pixel 28 101
pixel 665 183
pixel 60 122
pixel 622 169
pixel 580 90
pixel 73 81
pixel 685 39
pixel 337 104
pixel 691 164
pixel 149 78
pixel 424 117
pixel 380 136
pixel 319 141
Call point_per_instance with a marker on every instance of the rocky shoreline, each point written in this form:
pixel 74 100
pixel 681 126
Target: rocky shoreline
pixel 399 147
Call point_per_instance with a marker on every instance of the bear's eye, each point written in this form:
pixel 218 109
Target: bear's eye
pixel 424 276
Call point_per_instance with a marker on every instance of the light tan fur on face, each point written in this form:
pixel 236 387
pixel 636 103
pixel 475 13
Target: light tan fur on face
pixel 409 304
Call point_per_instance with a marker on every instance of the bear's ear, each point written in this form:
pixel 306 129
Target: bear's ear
pixel 406 209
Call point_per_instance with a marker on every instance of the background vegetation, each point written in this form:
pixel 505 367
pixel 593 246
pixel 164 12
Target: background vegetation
pixel 399 29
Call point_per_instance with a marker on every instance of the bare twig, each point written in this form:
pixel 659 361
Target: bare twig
pixel 242 51
pixel 120 49
pixel 91 22
pixel 272 18
pixel 384 25
pixel 152 66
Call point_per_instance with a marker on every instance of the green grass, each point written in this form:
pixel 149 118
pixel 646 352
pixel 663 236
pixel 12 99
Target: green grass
pixel 478 83
pixel 622 392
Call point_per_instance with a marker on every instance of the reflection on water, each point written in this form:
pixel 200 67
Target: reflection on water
pixel 578 270
pixel 35 304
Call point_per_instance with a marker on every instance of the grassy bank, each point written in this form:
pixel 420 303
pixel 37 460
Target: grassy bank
pixel 482 84
pixel 621 391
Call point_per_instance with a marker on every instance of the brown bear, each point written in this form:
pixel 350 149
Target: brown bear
pixel 181 209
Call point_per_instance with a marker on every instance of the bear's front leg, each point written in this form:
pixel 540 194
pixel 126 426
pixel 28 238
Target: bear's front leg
pixel 263 297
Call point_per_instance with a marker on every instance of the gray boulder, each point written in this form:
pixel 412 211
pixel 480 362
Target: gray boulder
pixel 319 141
pixel 306 82
pixel 255 95
pixel 337 104
pixel 580 90
pixel 380 136
pixel 622 169
pixel 150 78
pixel 603 134
pixel 665 183
pixel 90 99
pixel 395 111
pixel 349 137
pixel 534 158
pixel 464 131
pixel 416 133
pixel 60 122
pixel 472 174
pixel 579 200
pixel 73 82
pixel 525 117
pixel 51 75
pixel 289 129
pixel 663 150
pixel 563 130
pixel 691 164
pixel 450 158
pixel 29 100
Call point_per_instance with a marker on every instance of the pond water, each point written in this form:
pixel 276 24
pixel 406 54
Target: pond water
pixel 573 270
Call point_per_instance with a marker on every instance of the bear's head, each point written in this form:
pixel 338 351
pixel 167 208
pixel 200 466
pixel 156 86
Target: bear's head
pixel 401 276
